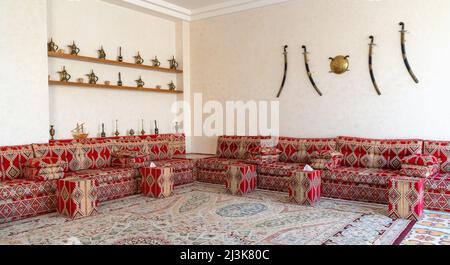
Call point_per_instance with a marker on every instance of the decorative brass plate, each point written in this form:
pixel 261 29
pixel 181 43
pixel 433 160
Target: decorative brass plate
pixel 339 64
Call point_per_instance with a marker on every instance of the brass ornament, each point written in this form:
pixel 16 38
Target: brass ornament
pixel 51 46
pixel 117 133
pixel 120 58
pixel 172 86
pixel 140 82
pixel 138 59
pixel 143 130
pixel 173 63
pixel 156 62
pixel 156 128
pixel 52 132
pixel 103 134
pixel 64 76
pixel 339 64
pixel 74 50
pixel 120 83
pixel 101 53
pixel 92 78
pixel 132 132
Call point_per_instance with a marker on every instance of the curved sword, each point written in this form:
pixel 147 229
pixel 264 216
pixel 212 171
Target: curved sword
pixel 285 70
pixel 405 58
pixel 305 54
pixel 372 76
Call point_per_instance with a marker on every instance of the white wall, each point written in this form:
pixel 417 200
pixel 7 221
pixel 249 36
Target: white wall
pixel 95 23
pixel 239 56
pixel 23 72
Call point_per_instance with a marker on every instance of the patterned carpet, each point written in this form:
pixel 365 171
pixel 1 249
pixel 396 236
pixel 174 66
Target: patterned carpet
pixel 205 214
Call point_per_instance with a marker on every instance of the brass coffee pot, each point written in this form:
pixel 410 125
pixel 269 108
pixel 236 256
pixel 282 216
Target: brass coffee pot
pixel 156 62
pixel 51 46
pixel 92 77
pixel 172 86
pixel 101 53
pixel 138 59
pixel 74 50
pixel 64 76
pixel 140 82
pixel 173 63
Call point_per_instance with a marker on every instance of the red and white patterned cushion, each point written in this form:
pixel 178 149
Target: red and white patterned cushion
pixel 280 169
pixel 374 153
pixel 106 176
pixel 22 189
pixel 12 159
pixel 420 171
pixel 176 164
pixel 440 150
pixel 214 163
pixel 263 151
pixel 420 160
pixel 297 150
pixel 371 176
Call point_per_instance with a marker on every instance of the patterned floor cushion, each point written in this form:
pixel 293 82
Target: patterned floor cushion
pixel 214 163
pixel 176 164
pixel 107 176
pixel 279 169
pixel 16 190
pixel 438 184
pixel 371 176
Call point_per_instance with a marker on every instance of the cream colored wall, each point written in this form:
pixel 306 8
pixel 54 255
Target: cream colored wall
pixel 239 57
pixel 92 23
pixel 23 72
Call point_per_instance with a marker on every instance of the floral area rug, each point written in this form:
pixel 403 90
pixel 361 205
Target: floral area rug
pixel 205 214
pixel 433 229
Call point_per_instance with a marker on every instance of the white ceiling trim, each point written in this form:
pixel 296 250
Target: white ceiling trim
pixel 179 12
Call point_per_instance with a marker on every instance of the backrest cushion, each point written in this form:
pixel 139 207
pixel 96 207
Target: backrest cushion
pixel 298 150
pixel 238 147
pixel 12 159
pixel 441 150
pixel 376 153
pixel 177 142
pixel 156 147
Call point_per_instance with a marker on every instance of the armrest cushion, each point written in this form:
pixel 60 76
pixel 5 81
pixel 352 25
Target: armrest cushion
pixel 420 171
pixel 421 160
pixel 327 154
pixel 265 151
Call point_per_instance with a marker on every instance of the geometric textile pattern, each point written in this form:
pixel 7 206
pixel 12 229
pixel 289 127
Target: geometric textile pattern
pixel 241 179
pixel 238 147
pixel 368 176
pixel 130 159
pixel 42 174
pixel 157 182
pixel 12 159
pixel 211 176
pixel 295 150
pixel 373 153
pixel 305 187
pixel 355 192
pixel 420 171
pixel 406 198
pixel 440 150
pixel 281 169
pixel 258 159
pixel 421 160
pixel 77 198
pixel 274 183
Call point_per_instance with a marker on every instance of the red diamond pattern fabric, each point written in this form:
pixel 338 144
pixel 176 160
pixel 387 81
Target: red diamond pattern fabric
pixel 420 160
pixel 297 150
pixel 215 163
pixel 262 159
pixel 305 188
pixel 279 169
pixel 77 198
pixel 238 147
pixel 241 179
pixel 12 159
pixel 420 171
pixel 369 176
pixel 211 176
pixel 372 153
pixel 406 198
pixel 355 192
pixel 274 183
pixel 440 150
pixel 157 182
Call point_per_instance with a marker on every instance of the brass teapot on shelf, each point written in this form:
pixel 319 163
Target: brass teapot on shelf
pixel 156 62
pixel 173 63
pixel 92 78
pixel 74 50
pixel 172 86
pixel 101 53
pixel 64 76
pixel 51 46
pixel 140 82
pixel 138 59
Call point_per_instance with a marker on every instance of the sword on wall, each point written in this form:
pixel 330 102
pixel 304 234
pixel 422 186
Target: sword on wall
pixel 372 76
pixel 285 53
pixel 305 54
pixel 405 58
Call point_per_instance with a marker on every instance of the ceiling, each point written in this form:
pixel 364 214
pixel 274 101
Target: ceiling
pixel 195 4
pixel 191 10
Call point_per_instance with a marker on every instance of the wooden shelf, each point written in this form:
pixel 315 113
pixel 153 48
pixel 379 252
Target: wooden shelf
pixel 101 86
pixel 111 62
